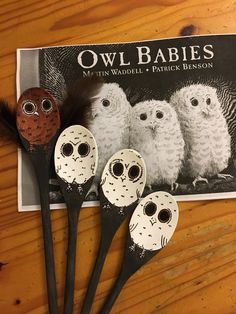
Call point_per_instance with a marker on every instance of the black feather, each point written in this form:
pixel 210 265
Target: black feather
pixel 76 107
pixel 8 127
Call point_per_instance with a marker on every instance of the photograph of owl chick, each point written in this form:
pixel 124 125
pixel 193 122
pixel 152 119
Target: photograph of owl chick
pixel 205 132
pixel 155 132
pixel 109 123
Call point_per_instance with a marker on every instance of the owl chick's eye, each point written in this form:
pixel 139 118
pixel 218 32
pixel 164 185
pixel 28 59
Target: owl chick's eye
pixel 208 101
pixel 194 102
pixel 83 149
pixel 106 102
pixel 46 105
pixel 164 215
pixel 150 209
pixel 29 108
pixel 159 114
pixel 67 149
pixel 143 116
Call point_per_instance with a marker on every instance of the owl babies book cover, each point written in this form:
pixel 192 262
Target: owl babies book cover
pixel 173 100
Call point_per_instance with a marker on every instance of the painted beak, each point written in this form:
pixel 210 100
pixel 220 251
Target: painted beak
pixel 123 178
pixel 36 113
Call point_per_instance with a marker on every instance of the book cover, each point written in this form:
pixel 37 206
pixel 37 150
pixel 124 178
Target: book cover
pixel 173 100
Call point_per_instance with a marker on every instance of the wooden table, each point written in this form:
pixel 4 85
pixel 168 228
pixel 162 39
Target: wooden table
pixel 197 271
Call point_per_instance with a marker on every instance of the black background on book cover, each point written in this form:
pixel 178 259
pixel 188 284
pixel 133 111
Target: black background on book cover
pixel 158 85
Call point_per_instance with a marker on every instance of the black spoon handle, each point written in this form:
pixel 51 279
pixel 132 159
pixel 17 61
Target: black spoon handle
pixel 41 169
pixel 94 279
pixel 73 216
pixel 116 289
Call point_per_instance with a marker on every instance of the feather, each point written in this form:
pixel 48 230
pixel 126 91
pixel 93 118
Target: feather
pixel 76 106
pixel 8 127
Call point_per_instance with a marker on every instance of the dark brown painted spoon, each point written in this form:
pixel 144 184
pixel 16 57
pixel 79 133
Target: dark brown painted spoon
pixel 38 124
pixel 122 184
pixel 151 227
pixel 75 159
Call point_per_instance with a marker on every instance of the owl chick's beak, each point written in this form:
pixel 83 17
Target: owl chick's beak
pixel 153 128
pixel 205 112
pixel 36 114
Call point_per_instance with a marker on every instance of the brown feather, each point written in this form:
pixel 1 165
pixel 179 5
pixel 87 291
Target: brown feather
pixel 8 127
pixel 76 107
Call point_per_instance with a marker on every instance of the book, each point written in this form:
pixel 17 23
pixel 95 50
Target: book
pixel 202 67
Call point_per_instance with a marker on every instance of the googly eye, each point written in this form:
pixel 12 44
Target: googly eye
pixel 46 105
pixel 67 150
pixel 194 102
pixel 106 102
pixel 208 101
pixel 150 209
pixel 29 108
pixel 83 149
pixel 143 116
pixel 159 114
pixel 164 215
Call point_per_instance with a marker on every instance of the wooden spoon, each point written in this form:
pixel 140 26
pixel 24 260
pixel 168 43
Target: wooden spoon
pixel 38 123
pixel 151 227
pixel 122 184
pixel 75 158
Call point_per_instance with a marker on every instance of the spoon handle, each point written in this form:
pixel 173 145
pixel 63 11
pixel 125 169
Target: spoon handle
pixel 73 216
pixel 105 243
pixel 41 168
pixel 113 295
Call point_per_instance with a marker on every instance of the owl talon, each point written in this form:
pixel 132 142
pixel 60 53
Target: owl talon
pixel 174 186
pixel 199 179
pixel 224 176
pixel 142 254
pixel 80 189
pixel 69 188
pixel 121 211
pixel 132 247
pixel 106 206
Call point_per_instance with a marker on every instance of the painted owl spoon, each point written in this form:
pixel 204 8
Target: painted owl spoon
pixel 38 123
pixel 122 184
pixel 151 227
pixel 75 158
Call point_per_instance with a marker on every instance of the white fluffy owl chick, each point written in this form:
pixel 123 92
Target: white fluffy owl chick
pixel 205 131
pixel 109 124
pixel 155 132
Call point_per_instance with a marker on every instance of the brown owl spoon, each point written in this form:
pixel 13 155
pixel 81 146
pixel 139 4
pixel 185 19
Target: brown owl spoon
pixel 151 227
pixel 38 123
pixel 122 184
pixel 75 160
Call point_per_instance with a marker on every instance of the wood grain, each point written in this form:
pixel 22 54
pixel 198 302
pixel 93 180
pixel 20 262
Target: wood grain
pixel 197 271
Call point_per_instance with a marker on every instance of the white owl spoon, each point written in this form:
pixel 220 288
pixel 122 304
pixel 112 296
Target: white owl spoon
pixel 151 227
pixel 75 159
pixel 122 184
